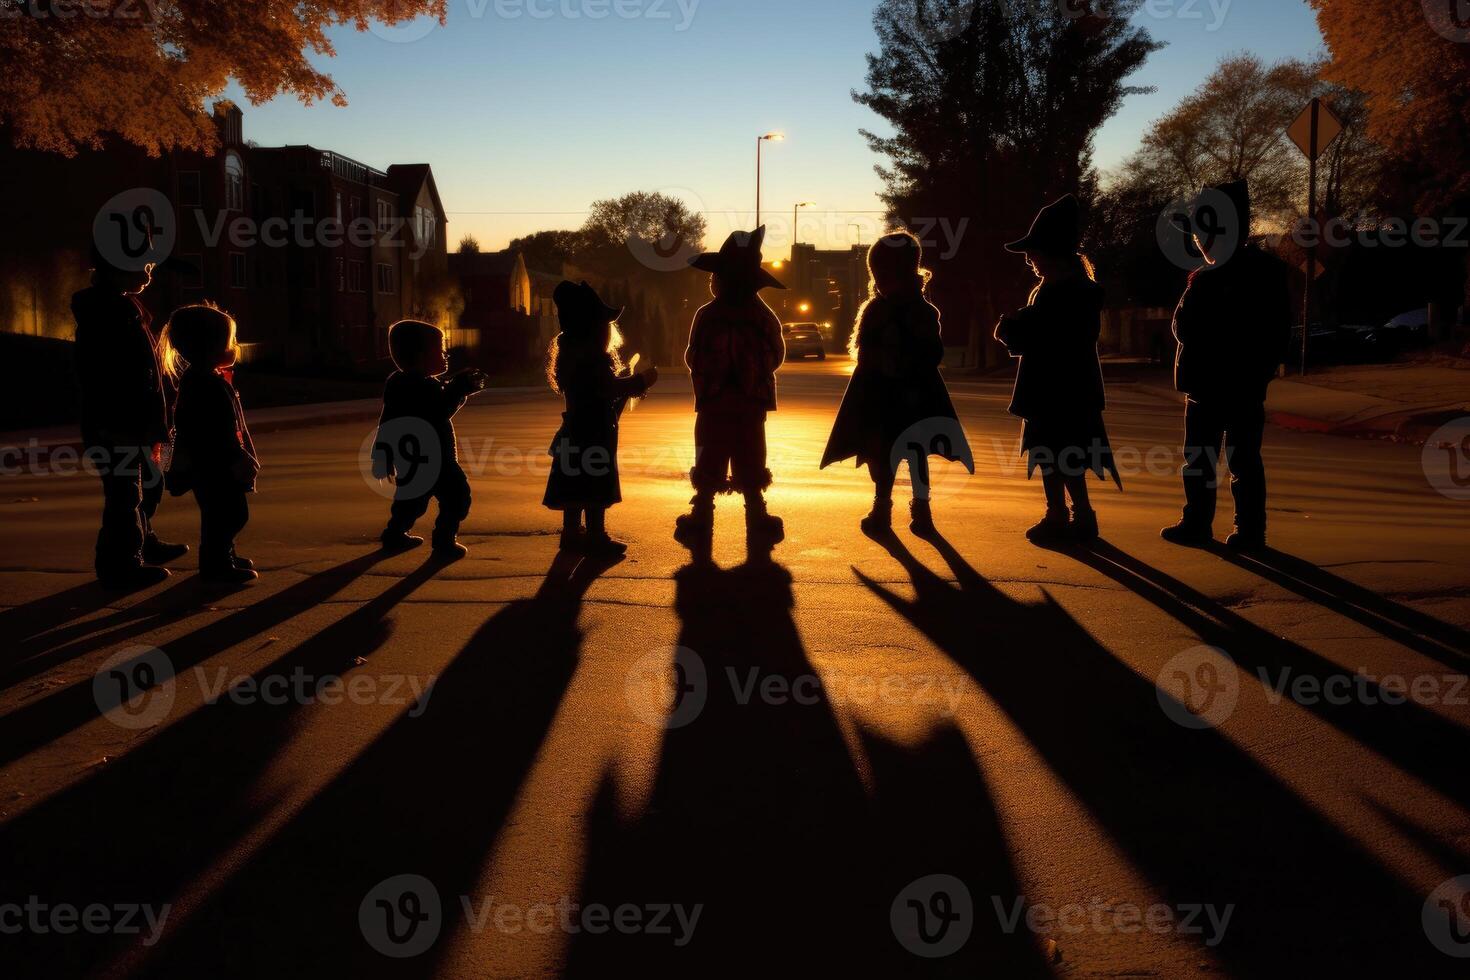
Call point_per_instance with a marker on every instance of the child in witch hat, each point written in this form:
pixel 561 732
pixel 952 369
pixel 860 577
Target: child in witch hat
pixel 585 368
pixel 735 349
pixel 1059 383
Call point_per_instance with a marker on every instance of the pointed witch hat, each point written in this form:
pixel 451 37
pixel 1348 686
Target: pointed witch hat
pixel 740 257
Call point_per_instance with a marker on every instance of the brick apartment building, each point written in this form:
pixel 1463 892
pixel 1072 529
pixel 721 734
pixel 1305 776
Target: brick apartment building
pixel 314 254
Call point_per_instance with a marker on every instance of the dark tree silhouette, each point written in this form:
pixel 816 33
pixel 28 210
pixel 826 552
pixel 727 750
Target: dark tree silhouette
pixel 994 106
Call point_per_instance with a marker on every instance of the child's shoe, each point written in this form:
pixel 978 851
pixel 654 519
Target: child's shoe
pixel 1084 526
pixel 448 549
pixel 762 524
pixel 156 552
pixel 239 562
pixel 880 520
pixel 395 542
pixel 921 519
pixel 1245 542
pixel 600 545
pixel 1188 535
pixel 223 574
pixel 1051 529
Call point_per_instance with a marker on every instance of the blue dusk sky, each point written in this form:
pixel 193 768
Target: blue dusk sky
pixel 529 110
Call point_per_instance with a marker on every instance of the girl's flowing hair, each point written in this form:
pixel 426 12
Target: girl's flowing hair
pixel 895 265
pixel 581 343
pixel 1084 268
pixel 196 334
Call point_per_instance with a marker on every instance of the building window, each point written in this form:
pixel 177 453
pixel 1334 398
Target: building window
pixel 354 277
pixel 237 270
pixel 424 226
pixel 234 183
pixel 192 277
pixel 385 218
pixel 339 207
pixel 354 208
pixel 341 275
pixel 189 189
pixel 385 278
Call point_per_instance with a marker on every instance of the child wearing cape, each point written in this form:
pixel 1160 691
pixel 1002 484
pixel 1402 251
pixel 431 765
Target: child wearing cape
pixel 584 367
pixel 1059 384
pixel 897 407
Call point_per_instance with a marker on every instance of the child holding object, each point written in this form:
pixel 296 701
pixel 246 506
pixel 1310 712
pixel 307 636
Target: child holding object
pixel 584 367
pixel 416 446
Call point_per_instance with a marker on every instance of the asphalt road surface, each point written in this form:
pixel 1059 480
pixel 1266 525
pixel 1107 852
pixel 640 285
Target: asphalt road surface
pixel 958 757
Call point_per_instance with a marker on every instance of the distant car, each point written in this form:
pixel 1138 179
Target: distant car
pixel 803 340
pixel 1405 330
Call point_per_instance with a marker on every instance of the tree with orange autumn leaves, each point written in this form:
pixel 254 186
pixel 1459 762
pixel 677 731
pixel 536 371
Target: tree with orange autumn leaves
pixel 1411 59
pixel 73 72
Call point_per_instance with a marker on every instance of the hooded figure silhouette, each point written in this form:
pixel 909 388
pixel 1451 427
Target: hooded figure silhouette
pixel 735 349
pixel 1233 326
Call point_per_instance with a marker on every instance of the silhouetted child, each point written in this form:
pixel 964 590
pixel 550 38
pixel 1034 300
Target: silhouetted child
pixel 897 406
pixel 585 368
pixel 125 416
pixel 735 349
pixel 416 446
pixel 1059 383
pixel 213 454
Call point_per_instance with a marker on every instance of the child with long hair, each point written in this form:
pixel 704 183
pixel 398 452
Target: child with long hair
pixel 1059 384
pixel 897 406
pixel 585 368
pixel 213 454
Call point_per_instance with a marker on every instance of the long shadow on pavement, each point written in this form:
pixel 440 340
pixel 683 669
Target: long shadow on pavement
pixel 145 825
pixel 759 817
pixel 39 722
pixel 427 797
pixel 1195 814
pixel 1445 642
pixel 1415 738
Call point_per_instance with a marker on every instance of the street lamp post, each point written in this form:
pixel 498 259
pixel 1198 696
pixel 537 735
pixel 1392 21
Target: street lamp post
pixel 769 137
pixel 795 220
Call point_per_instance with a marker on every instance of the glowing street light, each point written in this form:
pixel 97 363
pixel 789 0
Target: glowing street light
pixel 795 222
pixel 772 137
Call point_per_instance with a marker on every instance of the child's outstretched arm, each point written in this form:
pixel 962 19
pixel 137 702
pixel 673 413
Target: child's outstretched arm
pixel 458 389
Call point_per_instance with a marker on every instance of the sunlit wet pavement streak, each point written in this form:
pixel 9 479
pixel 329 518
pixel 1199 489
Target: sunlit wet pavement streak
pixel 986 711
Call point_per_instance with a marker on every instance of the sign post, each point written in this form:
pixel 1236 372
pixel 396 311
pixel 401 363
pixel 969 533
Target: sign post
pixel 1313 132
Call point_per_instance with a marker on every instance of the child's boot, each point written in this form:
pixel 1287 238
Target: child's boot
pixel 761 523
pixel 447 547
pixel 239 562
pixel 1051 529
pixel 158 552
pixel 221 571
pixel 399 541
pixel 699 523
pixel 1084 525
pixel 880 520
pixel 921 518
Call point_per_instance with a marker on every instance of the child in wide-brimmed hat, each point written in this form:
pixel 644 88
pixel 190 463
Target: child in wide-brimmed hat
pixel 735 349
pixel 584 367
pixel 1059 383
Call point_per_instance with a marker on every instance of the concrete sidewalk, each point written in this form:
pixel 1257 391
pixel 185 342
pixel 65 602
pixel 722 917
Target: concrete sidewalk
pixel 1403 402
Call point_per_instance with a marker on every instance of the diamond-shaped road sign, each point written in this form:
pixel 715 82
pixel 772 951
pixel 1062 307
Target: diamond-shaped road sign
pixel 1329 128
